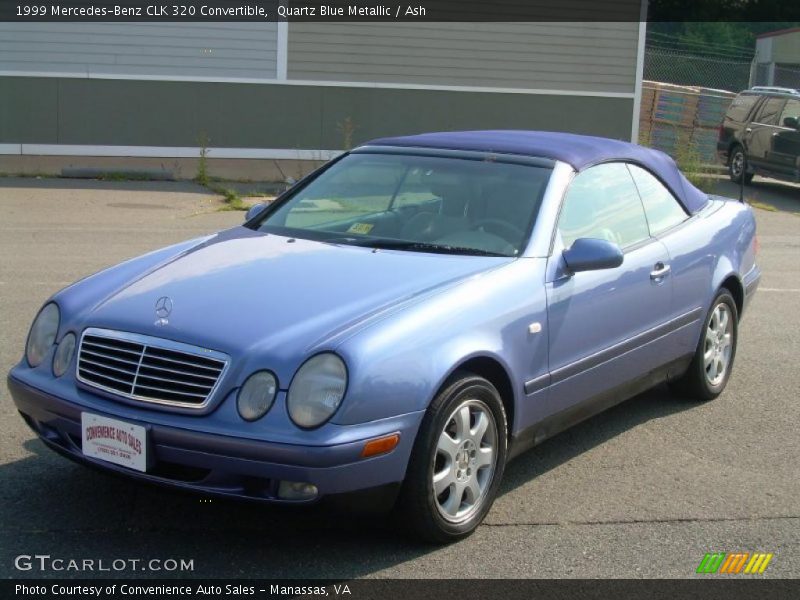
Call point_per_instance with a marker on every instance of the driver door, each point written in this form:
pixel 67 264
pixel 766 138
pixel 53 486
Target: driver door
pixel 604 324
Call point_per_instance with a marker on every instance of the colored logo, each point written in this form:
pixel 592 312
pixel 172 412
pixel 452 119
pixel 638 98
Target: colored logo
pixel 735 562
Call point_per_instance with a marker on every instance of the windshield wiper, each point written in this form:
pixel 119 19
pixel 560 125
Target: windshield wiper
pixel 389 244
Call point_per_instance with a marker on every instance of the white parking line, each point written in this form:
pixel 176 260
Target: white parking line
pixel 787 290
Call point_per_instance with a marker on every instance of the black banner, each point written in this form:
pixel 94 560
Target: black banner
pixel 386 589
pixel 393 10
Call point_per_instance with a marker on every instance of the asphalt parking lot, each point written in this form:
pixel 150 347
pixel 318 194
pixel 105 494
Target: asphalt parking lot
pixel 643 490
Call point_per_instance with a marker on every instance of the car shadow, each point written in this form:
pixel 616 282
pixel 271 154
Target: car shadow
pixel 53 506
pixel 656 403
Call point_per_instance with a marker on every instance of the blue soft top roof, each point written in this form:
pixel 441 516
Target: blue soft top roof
pixel 579 151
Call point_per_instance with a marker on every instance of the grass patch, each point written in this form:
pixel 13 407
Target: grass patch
pixel 763 206
pixel 232 199
pixel 690 161
pixel 202 164
pixel 347 128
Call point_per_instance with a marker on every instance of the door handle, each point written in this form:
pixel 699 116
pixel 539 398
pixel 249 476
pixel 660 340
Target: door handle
pixel 660 270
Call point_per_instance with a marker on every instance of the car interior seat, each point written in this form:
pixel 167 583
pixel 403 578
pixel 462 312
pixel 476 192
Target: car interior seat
pixel 426 226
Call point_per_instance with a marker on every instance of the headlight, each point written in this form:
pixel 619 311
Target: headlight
pixel 257 395
pixel 317 390
pixel 64 354
pixel 42 335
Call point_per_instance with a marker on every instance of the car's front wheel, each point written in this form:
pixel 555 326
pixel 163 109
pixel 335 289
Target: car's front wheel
pixel 457 462
pixel 737 166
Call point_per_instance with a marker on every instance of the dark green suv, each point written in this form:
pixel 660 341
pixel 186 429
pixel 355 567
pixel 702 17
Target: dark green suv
pixel 760 135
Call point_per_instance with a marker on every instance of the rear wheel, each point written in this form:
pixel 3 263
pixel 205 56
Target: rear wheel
pixel 712 364
pixel 737 165
pixel 457 462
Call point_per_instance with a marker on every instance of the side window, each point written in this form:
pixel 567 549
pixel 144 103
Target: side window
pixel 768 115
pixel 660 206
pixel 740 107
pixel 602 202
pixel 791 110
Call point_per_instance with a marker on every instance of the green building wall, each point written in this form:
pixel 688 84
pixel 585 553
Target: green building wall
pixel 124 112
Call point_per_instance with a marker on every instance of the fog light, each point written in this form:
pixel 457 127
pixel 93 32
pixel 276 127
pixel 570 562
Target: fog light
pixel 296 490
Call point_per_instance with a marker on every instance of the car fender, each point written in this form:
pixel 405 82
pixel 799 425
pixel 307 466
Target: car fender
pixel 735 255
pixel 399 364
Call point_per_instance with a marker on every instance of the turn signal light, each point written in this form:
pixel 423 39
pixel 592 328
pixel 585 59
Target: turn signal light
pixel 380 445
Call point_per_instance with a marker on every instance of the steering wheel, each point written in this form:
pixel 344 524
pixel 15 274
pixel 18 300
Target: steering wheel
pixel 507 231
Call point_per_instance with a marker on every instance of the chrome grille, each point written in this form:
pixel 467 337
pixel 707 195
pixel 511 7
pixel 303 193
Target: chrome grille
pixel 149 369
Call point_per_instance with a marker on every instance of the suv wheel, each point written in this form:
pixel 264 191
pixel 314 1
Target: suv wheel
pixel 737 164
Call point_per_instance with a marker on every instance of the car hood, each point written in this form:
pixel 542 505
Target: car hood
pixel 244 291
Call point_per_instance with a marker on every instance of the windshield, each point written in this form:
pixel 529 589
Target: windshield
pixel 416 203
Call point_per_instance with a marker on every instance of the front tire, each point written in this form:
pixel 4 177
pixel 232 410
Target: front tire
pixel 737 165
pixel 457 462
pixel 712 364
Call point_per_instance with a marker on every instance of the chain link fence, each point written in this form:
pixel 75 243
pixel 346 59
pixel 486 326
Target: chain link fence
pixel 783 76
pixel 680 68
pixel 733 75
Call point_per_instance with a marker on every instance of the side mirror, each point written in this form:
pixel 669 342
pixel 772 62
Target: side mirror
pixel 791 122
pixel 254 211
pixel 588 254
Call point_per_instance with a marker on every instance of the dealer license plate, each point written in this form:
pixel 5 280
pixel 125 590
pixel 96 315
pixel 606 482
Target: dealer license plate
pixel 114 441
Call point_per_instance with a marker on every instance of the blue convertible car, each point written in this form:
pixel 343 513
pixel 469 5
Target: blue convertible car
pixel 400 322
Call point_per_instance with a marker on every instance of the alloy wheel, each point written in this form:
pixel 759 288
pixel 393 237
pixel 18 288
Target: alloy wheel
pixel 718 344
pixel 465 461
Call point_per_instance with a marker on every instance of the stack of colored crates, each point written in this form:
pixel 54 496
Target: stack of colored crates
pixel 671 115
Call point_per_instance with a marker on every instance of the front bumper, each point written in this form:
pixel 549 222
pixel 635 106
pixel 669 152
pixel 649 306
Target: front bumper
pixel 226 465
